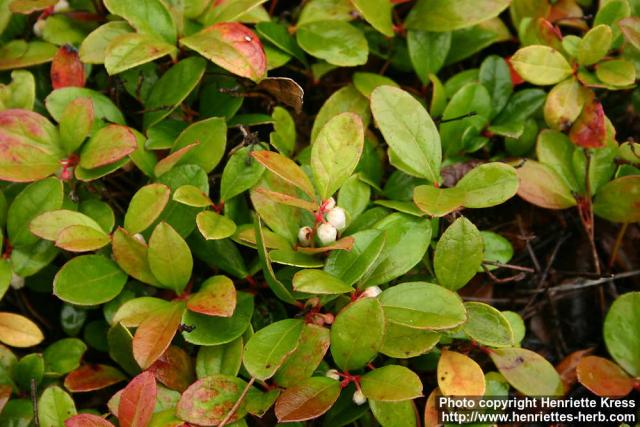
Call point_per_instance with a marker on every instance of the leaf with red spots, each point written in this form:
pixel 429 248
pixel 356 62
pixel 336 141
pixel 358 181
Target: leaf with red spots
pixel 216 297
pixel 209 400
pixel 107 146
pixel 307 400
pixel 588 131
pixel 92 377
pixel 603 377
pixel 137 401
pixel 233 47
pixel 174 369
pixel 29 146
pixel 66 69
pixel 155 333
pixel 87 420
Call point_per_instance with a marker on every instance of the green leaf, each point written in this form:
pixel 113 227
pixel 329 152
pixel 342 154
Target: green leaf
pixel 423 305
pixel 319 282
pixel 216 297
pixel 444 15
pixel 458 254
pixel 54 407
pixel 564 104
pixel 337 42
pixel 220 359
pixel 172 88
pixel 133 312
pixel 366 83
pixel 527 371
pixel 618 200
pixel 132 256
pixel 620 336
pixel 276 286
pixel 213 330
pixel 541 65
pixel 307 400
pixel 209 400
pixel 436 201
pixel 50 224
pixel 81 238
pixel 191 195
pixel 427 51
pixel 594 45
pixel 403 342
pixel 94 47
pixel 488 185
pixel 394 414
pixel 20 93
pixel 286 169
pixel 29 368
pixel 377 13
pixel 279 36
pixel 145 207
pixel 89 280
pixel 230 11
pixel 108 145
pixel 357 333
pixel 466 114
pixel 267 350
pixel 58 100
pixel 406 241
pixel 542 186
pixel 617 72
pixel 391 383
pixel 211 134
pixel 63 356
pixel 240 173
pixel 76 123
pixel 30 144
pixel 336 152
pixel 214 226
pixel 20 54
pixel 344 100
pixel 409 131
pixel 496 77
pixel 170 258
pixel 496 249
pixel 35 199
pixel 471 40
pixel 487 325
pixel 130 50
pixel 312 346
pixel 150 17
pixel 231 46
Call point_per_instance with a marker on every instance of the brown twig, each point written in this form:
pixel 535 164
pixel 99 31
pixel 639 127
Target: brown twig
pixel 237 404
pixel 34 401
pixel 617 244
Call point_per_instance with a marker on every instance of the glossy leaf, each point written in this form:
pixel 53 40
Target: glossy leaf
pixel 55 406
pixel 350 266
pixel 404 342
pixel 423 305
pixel 145 207
pixel 94 47
pixel 148 17
pixel 214 226
pixel 458 254
pixel 240 173
pixel 233 47
pixel 619 336
pixel 319 282
pixel 391 383
pixel 18 331
pixel 488 185
pixel 301 364
pixel 106 146
pixel 174 369
pixel 210 135
pixel 337 42
pixel 155 333
pixel 130 50
pixel 356 334
pixel 438 202
pixel 443 15
pixel 594 45
pixel 541 65
pixel 66 68
pixel 92 377
pixel 216 297
pixel 132 256
pixel 603 377
pixel 527 371
pixel 487 326
pixel 286 169
pixel 89 280
pixel 75 123
pixel 170 258
pixel 137 401
pixel 409 131
pixel 377 13
pixel 307 400
pixel 209 400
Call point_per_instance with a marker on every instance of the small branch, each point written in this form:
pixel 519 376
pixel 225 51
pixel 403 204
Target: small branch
pixel 237 404
pixel 34 401
pixel 510 266
pixel 618 243
pixel 495 279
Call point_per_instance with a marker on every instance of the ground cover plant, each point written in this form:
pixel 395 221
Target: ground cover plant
pixel 319 212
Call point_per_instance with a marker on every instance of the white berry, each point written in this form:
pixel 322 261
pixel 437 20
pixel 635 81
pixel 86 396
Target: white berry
pixel 17 282
pixel 327 233
pixel 338 218
pixel 371 292
pixel 333 374
pixel 61 6
pixel 359 398
pixel 304 236
pixel 140 238
pixel 329 204
pixel 38 27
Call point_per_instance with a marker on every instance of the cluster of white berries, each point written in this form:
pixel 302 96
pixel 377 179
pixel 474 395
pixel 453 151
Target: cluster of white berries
pixel 60 7
pixel 358 396
pixel 334 220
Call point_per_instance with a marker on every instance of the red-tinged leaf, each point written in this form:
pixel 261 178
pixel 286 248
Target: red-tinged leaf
pixel 87 420
pixel 345 244
pixel 155 333
pixel 5 395
pixel 603 377
pixel 207 401
pixel 515 77
pixel 174 369
pixel 233 47
pixel 589 131
pixel 216 297
pixel 137 401
pixel 66 68
pixel 92 377
pixel 29 146
pixel 172 159
pixel 286 169
pixel 567 368
pixel 108 145
pixel 27 7
pixel 307 400
pixel 431 418
pixel 288 200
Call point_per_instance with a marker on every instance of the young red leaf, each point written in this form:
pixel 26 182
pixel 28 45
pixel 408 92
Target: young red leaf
pixel 66 68
pixel 87 420
pixel 216 297
pixel 603 377
pixel 309 399
pixel 92 377
pixel 155 333
pixel 174 369
pixel 137 401
pixel 589 131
